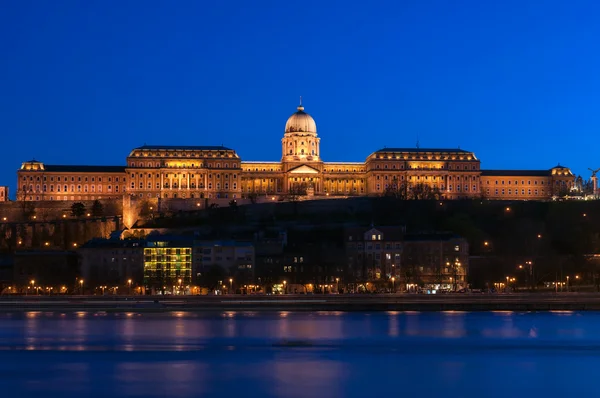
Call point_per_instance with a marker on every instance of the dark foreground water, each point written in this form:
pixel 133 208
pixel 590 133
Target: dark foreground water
pixel 279 354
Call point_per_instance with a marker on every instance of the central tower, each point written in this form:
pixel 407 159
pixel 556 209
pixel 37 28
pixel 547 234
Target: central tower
pixel 300 142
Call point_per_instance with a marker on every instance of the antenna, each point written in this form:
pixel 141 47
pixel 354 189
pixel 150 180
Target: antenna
pixel 417 141
pixel 300 100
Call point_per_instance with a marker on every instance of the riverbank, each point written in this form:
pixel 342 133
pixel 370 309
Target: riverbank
pixel 451 302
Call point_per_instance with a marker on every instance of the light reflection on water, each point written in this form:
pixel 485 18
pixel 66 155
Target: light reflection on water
pixel 288 354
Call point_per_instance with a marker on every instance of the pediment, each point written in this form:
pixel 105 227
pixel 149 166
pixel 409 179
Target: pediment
pixel 373 231
pixel 304 169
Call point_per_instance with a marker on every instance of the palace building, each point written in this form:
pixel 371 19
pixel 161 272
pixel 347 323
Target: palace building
pixel 188 172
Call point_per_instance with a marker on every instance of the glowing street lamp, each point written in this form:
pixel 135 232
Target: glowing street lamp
pixel 285 287
pixel 32 285
pixel 129 283
pixel 81 284
pixel 393 284
pixel 230 285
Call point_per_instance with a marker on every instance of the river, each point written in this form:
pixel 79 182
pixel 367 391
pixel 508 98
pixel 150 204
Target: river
pixel 302 354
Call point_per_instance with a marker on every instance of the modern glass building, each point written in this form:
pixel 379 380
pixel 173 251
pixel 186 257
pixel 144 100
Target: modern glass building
pixel 168 265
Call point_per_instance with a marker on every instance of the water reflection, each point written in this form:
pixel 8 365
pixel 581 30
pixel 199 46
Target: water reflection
pixel 303 377
pixel 332 354
pixel 454 324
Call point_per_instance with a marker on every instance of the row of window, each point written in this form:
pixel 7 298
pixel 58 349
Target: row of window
pixel 451 188
pixel 72 197
pixel 516 182
pixel 168 176
pixel 516 192
pixel 424 157
pixel 73 188
pixel 176 186
pixel 66 179
pixel 426 178
pixel 442 167
pixel 179 165
pixel 221 154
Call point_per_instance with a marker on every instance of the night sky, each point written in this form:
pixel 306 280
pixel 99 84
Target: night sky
pixel 517 82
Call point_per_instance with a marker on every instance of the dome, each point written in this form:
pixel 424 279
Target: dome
pixel 301 122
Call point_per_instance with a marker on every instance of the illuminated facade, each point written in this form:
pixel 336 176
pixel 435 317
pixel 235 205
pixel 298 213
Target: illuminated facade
pixel 168 266
pixel 3 194
pixel 191 172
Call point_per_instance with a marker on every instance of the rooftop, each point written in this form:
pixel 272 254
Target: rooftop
pixel 423 150
pixel 88 169
pixel 515 173
pixel 422 237
pixel 97 243
pixel 185 147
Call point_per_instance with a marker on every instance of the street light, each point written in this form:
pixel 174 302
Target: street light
pixel 284 287
pixel 129 282
pixel 81 284
pixel 393 284
pixel 230 285
pixel 337 284
pixel 180 287
pixel 32 285
pixel 567 283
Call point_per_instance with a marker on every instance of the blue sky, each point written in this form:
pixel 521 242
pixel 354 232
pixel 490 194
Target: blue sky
pixel 517 82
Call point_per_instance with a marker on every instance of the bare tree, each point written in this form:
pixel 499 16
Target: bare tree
pixel 423 191
pixel 397 189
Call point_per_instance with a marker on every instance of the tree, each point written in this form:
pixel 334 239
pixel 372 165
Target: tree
pixel 253 196
pixel 77 209
pixel 398 190
pixel 213 278
pixel 145 209
pixel 97 209
pixel 423 191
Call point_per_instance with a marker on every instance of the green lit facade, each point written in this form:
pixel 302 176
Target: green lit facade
pixel 168 266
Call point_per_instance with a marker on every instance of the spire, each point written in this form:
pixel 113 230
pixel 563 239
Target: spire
pixel 300 107
pixel 418 141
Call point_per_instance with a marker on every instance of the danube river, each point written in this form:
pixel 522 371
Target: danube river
pixel 284 354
